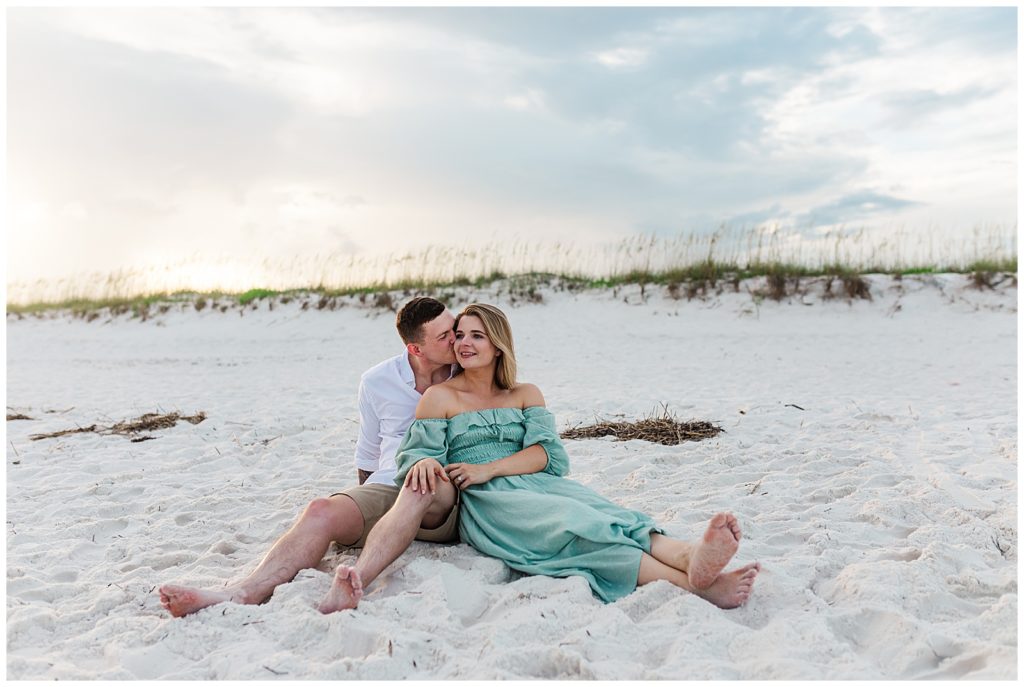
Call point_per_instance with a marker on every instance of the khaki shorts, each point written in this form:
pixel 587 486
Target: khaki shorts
pixel 374 500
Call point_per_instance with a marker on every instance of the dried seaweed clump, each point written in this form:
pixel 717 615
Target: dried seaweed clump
pixel 151 421
pixel 144 423
pixel 660 429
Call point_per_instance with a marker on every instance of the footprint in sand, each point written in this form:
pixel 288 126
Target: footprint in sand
pixel 224 548
pixel 905 555
pixel 105 529
pixel 184 519
pixel 831 494
pixel 166 561
pixel 894 644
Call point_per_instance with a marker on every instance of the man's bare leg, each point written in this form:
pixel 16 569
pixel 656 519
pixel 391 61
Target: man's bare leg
pixel 729 590
pixel 702 561
pixel 325 520
pixel 388 539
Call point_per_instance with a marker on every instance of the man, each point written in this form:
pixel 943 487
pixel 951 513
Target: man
pixel 388 394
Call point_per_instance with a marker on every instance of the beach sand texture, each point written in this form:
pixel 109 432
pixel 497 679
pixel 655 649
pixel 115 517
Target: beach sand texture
pixel 869 453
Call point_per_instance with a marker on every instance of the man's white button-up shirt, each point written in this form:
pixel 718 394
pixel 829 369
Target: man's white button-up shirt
pixel 387 406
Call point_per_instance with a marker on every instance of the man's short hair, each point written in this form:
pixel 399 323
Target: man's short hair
pixel 414 314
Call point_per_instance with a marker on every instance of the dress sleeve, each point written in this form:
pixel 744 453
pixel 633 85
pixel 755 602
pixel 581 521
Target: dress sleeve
pixel 426 438
pixel 540 429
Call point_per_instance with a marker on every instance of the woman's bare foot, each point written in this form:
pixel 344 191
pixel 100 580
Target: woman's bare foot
pixel 181 601
pixel 345 591
pixel 715 550
pixel 731 589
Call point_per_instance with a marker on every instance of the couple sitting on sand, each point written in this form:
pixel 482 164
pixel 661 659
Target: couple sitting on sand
pixel 480 461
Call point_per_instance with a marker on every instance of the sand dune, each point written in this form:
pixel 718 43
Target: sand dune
pixel 870 454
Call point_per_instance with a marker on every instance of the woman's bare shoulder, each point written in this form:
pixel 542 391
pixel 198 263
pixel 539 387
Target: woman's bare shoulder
pixel 529 395
pixel 436 401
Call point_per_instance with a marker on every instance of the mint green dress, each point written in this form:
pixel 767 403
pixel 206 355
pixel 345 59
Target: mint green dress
pixel 541 523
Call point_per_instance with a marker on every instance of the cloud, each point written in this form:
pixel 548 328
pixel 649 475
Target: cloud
pixel 853 207
pixel 397 125
pixel 760 217
pixel 328 61
pixel 910 107
pixel 532 100
pixel 553 34
pixel 622 58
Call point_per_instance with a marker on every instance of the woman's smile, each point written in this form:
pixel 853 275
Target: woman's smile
pixel 471 341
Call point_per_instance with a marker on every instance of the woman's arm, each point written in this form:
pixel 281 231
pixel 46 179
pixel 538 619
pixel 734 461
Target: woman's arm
pixel 532 397
pixel 529 460
pixel 425 472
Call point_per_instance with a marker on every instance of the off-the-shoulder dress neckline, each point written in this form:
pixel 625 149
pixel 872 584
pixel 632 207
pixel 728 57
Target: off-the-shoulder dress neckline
pixel 482 410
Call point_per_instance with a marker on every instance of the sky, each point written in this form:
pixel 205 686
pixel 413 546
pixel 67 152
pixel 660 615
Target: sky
pixel 147 137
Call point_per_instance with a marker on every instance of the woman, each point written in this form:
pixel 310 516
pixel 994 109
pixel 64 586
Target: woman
pixel 497 442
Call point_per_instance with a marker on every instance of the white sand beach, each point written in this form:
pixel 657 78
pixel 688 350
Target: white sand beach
pixel 869 453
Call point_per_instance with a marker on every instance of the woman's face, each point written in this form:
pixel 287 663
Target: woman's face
pixel 472 346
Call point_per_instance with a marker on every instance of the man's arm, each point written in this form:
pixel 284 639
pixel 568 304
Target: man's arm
pixel 367 456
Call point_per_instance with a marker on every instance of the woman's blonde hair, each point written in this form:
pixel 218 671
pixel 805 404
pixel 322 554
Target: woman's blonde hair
pixel 499 331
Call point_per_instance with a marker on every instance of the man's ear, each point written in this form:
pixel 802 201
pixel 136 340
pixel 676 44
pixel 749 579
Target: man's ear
pixel 414 349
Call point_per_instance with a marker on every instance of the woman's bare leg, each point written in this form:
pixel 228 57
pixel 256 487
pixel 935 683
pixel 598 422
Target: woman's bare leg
pixel 729 590
pixel 674 553
pixel 704 559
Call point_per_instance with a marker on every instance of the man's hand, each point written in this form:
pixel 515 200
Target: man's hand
pixel 466 474
pixel 424 474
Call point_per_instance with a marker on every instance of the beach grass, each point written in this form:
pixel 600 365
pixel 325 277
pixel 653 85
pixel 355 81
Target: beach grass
pixel 687 265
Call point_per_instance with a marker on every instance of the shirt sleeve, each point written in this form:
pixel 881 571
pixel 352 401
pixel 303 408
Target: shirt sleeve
pixel 540 430
pixel 368 444
pixel 426 438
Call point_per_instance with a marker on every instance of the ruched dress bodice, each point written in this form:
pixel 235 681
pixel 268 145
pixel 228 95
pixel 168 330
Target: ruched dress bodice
pixel 540 523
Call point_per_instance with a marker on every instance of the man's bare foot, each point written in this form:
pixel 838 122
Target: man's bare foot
pixel 345 591
pixel 715 550
pixel 731 589
pixel 182 601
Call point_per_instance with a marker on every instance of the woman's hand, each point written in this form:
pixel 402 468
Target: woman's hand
pixel 464 475
pixel 424 474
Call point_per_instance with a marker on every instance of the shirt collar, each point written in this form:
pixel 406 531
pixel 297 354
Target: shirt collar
pixel 408 376
pixel 405 370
